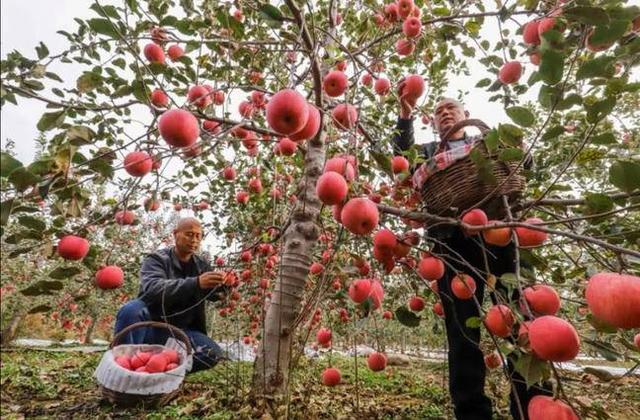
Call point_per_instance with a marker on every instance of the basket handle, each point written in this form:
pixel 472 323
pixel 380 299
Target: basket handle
pixel 479 124
pixel 175 330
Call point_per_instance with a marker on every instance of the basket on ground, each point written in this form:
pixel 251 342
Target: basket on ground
pixel 127 388
pixel 460 186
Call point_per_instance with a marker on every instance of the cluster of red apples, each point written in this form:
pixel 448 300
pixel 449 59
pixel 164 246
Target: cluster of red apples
pixel 150 362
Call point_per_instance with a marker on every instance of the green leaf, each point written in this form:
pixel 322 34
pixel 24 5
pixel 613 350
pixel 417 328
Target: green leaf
pixel 553 132
pixel 39 309
pixel 483 83
pixel 598 67
pixel 587 15
pixel 271 12
pixel 473 322
pixel 383 161
pixel 80 135
pixel 88 81
pixel 608 34
pixel 551 66
pixel 509 279
pixel 42 51
pixel 51 120
pixel 32 223
pixel 511 154
pixel 600 109
pixel 8 164
pixel 549 95
pixel 103 27
pixel 491 140
pixel 62 273
pixel 5 211
pixel 598 203
pixel 406 317
pixel 604 138
pixel 521 116
pixel 43 287
pixel 510 134
pixel 23 179
pixel 532 369
pixel 625 174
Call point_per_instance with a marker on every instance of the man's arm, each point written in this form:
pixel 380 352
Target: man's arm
pixel 157 288
pixel 403 139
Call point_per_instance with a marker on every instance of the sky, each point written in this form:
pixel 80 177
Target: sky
pixel 25 23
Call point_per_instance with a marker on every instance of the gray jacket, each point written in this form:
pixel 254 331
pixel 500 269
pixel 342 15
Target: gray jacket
pixel 170 296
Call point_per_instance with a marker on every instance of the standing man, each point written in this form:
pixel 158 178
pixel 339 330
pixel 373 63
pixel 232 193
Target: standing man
pixel 174 284
pixel 466 362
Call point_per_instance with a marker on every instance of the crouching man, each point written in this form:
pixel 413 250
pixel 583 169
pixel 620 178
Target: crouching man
pixel 174 284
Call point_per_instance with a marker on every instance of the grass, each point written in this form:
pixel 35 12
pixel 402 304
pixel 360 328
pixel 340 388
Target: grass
pixel 39 384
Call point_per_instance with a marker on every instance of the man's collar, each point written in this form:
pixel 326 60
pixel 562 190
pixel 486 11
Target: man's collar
pixel 174 258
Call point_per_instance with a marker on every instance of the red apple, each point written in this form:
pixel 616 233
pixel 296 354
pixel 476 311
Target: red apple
pixel 229 173
pixel 385 240
pixel 377 361
pixel 615 299
pixel 199 96
pixel 331 188
pixel 529 237
pixel 405 47
pixel 475 217
pixel 554 339
pixel 335 83
pixel 530 34
pixel 399 164
pixel 316 268
pixel 331 377
pixel 242 197
pixel 542 407
pixel 360 216
pixel 359 290
pixel 123 361
pixel 323 336
pixel 175 52
pixel 345 116
pixel 412 27
pixel 125 217
pixel 510 72
pixel 545 24
pixel 157 363
pixel 413 86
pixel 138 163
pixel 287 147
pixel 179 128
pixel 416 303
pixel 405 7
pixel 438 309
pixel 431 268
pixel 110 277
pixel 342 166
pixel 366 79
pixel 542 299
pixel 391 12
pixel 497 236
pixel 159 98
pixel 154 53
pixel 211 127
pixel 382 86
pixel 73 248
pixel 463 286
pixel 287 112
pixel 499 320
pixel 310 129
pixel 492 360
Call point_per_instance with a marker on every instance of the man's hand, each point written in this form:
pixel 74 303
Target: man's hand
pixel 210 279
pixel 407 103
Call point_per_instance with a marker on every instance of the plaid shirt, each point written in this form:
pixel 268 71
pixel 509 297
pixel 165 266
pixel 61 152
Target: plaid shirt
pixel 444 156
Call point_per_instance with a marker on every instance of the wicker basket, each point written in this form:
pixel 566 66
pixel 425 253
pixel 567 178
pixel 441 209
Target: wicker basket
pixel 152 400
pixel 458 187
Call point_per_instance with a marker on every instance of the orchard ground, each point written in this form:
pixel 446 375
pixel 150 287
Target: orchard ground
pixel 59 384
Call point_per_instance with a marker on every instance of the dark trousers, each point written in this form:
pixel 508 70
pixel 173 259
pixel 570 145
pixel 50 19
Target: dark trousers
pixel 206 354
pixel 466 361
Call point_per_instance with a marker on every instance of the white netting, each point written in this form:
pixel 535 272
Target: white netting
pixel 114 377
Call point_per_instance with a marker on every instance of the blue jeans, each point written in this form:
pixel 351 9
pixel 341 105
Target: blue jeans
pixel 207 353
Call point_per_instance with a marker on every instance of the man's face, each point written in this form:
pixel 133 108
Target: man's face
pixel 188 237
pixel 447 113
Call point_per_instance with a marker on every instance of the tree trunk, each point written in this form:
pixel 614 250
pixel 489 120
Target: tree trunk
pixel 271 371
pixel 88 339
pixel 9 333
